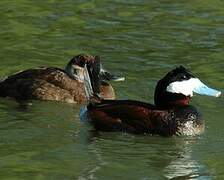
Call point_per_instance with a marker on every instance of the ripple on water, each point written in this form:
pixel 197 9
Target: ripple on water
pixel 142 40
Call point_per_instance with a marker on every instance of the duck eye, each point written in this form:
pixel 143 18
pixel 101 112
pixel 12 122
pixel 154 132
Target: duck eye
pixel 184 77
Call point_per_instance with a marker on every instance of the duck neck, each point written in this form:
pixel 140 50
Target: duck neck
pixel 169 100
pixel 179 100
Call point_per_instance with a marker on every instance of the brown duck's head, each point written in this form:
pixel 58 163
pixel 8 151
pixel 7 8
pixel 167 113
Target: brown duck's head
pixel 75 68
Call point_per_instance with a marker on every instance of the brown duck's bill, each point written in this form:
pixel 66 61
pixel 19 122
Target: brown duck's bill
pixel 107 76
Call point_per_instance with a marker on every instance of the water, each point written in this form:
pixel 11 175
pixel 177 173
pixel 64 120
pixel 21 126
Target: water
pixel 139 39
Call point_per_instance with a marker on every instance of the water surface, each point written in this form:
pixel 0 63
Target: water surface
pixel 140 39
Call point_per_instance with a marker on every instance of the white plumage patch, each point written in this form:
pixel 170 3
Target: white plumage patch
pixel 190 129
pixel 184 87
pixel 187 87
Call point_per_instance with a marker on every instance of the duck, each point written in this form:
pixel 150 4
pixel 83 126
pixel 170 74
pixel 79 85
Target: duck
pixel 55 84
pixel 170 115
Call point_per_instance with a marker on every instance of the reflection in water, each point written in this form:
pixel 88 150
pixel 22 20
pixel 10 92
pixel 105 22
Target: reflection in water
pixel 184 166
pixel 91 173
pixel 83 114
pixel 86 138
pixel 142 157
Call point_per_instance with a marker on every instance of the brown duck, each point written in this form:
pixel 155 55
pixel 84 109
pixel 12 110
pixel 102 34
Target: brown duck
pixel 51 83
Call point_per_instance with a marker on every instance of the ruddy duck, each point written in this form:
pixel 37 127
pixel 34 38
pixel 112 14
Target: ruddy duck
pixel 50 83
pixel 171 114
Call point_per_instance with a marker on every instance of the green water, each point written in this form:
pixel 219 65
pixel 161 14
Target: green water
pixel 141 40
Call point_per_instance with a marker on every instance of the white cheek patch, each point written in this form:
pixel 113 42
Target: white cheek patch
pixel 185 87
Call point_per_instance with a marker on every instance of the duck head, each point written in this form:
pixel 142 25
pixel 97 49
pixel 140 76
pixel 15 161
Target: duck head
pixel 177 88
pixel 75 68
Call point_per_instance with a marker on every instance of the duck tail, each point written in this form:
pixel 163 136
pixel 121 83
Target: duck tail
pixel 92 82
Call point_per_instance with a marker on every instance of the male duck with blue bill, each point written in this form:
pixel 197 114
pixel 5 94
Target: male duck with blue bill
pixel 171 114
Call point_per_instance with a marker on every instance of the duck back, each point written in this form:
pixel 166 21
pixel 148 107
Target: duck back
pixel 44 84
